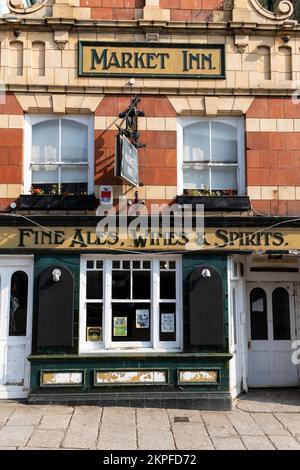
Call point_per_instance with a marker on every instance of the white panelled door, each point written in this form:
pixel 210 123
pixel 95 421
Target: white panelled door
pixel 16 286
pixel 271 330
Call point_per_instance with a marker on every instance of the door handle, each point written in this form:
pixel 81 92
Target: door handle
pixel 249 345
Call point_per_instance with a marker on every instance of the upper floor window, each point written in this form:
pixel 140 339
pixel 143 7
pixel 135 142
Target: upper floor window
pixel 59 155
pixel 211 156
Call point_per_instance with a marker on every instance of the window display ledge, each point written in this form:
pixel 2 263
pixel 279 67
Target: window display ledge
pixel 57 202
pixel 217 203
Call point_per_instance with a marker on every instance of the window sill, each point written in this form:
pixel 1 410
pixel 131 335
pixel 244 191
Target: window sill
pixel 217 203
pixel 119 354
pixel 57 202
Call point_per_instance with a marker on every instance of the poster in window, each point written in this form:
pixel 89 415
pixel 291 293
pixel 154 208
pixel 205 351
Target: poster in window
pixel 94 333
pixel 167 323
pixel 120 326
pixel 142 318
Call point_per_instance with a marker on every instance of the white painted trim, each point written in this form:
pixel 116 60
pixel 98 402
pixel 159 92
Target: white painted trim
pixel 107 345
pixel 237 122
pixel 8 266
pixel 31 120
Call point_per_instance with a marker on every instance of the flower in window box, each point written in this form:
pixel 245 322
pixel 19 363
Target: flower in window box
pixel 37 191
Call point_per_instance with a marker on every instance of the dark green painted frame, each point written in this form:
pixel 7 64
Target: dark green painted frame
pixel 220 47
pixel 199 384
pixel 58 371
pixel 135 369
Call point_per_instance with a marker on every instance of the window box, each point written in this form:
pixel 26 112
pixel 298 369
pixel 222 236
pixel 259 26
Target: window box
pixel 57 202
pixel 217 203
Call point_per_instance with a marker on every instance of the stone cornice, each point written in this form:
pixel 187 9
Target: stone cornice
pixel 69 24
pixel 182 91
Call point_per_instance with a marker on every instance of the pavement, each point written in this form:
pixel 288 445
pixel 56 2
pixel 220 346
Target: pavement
pixel 260 420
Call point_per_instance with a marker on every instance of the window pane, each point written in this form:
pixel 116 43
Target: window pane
pixel 196 142
pixel 76 174
pixel 196 177
pixel 281 314
pixel 74 141
pixel 94 323
pixel 167 323
pixel 90 264
pixel 224 178
pixel 94 284
pixel 45 174
pixel 45 141
pixel 168 285
pixel 18 304
pixel 121 285
pixel 223 142
pixel 131 322
pixel 141 285
pixel 259 316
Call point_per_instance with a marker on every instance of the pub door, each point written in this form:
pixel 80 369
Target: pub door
pixel 16 287
pixel 272 330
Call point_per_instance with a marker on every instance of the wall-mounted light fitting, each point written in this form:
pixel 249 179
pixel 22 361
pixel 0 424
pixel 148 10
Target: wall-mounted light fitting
pixel 56 273
pixel 206 274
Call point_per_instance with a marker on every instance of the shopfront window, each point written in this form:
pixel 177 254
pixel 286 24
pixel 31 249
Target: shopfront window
pixel 59 155
pixel 130 304
pixel 211 156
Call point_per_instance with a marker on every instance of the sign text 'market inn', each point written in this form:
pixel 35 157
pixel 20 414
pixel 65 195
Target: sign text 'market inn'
pixel 167 60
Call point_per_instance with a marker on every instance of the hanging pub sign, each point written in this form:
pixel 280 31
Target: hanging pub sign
pixel 127 161
pixel 102 59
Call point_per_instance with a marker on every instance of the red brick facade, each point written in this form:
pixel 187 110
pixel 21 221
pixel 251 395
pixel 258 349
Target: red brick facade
pixel 273 158
pixel 113 9
pixel 192 10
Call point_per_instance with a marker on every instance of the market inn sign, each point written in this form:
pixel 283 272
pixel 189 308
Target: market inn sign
pixel 85 238
pixel 102 59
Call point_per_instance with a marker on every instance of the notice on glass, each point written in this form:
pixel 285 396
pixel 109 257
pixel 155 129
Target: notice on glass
pixel 167 323
pixel 142 318
pixel 120 326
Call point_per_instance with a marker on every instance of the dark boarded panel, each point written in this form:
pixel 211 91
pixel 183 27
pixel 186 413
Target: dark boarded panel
pixel 55 308
pixel 206 308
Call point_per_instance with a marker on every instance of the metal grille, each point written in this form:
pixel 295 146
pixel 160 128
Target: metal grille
pixel 272 4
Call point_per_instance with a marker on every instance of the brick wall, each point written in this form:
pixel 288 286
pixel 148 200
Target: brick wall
pixel 11 149
pixel 192 10
pixel 273 156
pixel 113 9
pixel 157 162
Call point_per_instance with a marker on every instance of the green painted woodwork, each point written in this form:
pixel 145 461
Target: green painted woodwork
pixel 195 357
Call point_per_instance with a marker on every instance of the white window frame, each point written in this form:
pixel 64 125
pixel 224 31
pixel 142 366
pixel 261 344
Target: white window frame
pixel 109 346
pixel 31 120
pixel 238 123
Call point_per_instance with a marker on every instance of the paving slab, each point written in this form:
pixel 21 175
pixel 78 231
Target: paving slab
pixel 55 421
pixel 191 436
pixel 119 417
pixel 217 424
pixel 117 438
pixel 270 401
pixel 46 439
pixel 269 424
pixel 257 443
pixel 84 428
pixel 160 439
pixel 153 419
pixel 285 443
pixel 244 424
pixel 290 421
pixel 26 415
pixel 6 412
pixel 228 443
pixel 15 436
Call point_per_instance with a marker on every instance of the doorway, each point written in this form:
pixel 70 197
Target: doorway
pixel 271 332
pixel 16 286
